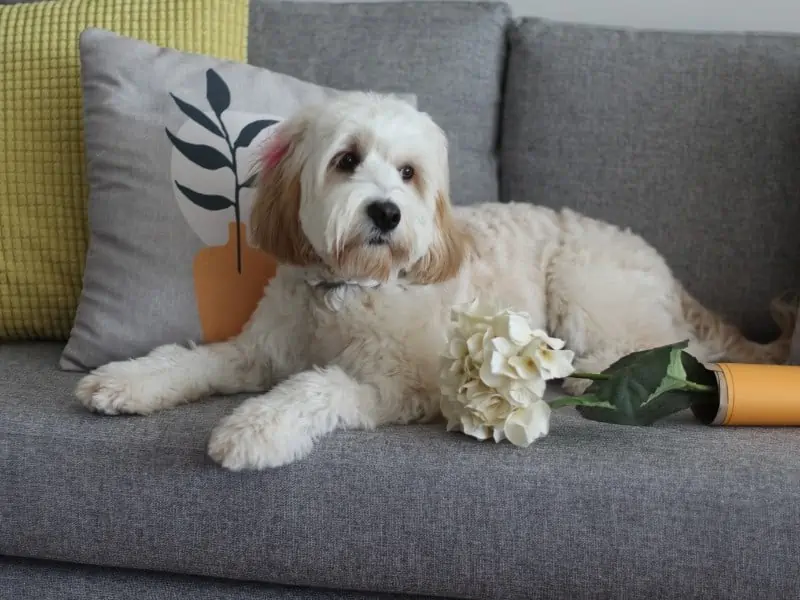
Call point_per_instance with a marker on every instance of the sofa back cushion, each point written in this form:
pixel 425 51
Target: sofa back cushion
pixel 691 139
pixel 451 55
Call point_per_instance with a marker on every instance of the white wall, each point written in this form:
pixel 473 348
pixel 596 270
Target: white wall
pixel 736 15
pixel 714 15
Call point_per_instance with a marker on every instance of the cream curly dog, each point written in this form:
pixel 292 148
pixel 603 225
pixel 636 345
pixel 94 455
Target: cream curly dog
pixel 354 202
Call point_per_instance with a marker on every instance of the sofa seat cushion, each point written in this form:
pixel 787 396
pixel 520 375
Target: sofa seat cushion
pixel 674 511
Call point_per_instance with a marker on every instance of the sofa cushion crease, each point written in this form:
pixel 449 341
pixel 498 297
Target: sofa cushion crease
pixel 27 579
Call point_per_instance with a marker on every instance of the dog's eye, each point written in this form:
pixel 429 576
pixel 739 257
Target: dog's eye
pixel 348 162
pixel 407 172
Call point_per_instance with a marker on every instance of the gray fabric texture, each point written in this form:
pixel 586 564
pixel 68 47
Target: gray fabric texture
pixel 149 242
pixel 24 579
pixel 451 55
pixel 678 510
pixel 691 139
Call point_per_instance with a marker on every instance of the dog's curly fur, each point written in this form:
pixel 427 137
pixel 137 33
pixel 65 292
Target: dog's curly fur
pixel 349 331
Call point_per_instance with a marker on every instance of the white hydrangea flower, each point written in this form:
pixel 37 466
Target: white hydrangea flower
pixel 495 366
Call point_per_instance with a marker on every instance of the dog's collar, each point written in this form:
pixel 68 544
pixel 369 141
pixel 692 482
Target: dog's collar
pixel 319 279
pixel 336 291
pixel 331 284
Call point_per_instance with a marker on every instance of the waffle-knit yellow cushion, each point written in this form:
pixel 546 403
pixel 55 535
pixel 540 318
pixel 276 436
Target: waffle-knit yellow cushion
pixel 43 188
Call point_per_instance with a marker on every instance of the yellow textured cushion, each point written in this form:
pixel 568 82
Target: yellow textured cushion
pixel 43 188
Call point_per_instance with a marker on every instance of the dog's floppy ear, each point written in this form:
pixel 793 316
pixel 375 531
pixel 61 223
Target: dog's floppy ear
pixel 450 247
pixel 275 216
pixel 451 243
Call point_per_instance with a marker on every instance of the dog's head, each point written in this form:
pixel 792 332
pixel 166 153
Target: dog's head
pixel 360 185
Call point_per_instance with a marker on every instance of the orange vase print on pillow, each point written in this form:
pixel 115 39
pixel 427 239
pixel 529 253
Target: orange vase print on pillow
pixel 212 164
pixel 229 281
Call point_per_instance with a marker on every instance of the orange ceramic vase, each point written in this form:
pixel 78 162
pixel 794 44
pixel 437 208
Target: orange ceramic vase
pixel 225 296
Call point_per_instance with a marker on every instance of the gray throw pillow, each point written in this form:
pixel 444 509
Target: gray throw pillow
pixel 171 139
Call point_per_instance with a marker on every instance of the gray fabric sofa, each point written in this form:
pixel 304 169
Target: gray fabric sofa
pixel 691 139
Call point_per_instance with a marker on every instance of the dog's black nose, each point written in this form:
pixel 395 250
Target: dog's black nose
pixel 385 214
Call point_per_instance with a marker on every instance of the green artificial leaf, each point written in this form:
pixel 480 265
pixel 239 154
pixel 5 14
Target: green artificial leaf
pixel 660 352
pixel 697 372
pixel 606 415
pixel 633 381
pixel 675 377
pixel 250 181
pixel 677 391
pixel 704 406
pixel 217 92
pixel 250 131
pixel 591 407
pixel 664 405
pixel 637 358
pixel 197 115
pixel 643 387
pixel 624 393
pixel 200 154
pixel 207 201
pixel 634 378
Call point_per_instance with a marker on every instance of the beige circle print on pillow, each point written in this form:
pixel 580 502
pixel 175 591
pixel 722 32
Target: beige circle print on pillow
pixel 171 141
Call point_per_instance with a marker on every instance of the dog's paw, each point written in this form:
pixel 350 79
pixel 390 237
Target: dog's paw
pixel 117 388
pixel 257 437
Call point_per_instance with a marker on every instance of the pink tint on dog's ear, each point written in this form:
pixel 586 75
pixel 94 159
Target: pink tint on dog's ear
pixel 274 153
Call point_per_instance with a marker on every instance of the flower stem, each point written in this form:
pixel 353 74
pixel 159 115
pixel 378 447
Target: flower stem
pixel 691 386
pixel 578 401
pixel 592 376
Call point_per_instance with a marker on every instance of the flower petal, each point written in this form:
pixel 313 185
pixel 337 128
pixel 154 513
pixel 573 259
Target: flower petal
pixel 475 346
pixel 456 368
pixel 554 343
pixel 498 434
pixel 555 364
pixel 489 408
pixel 490 379
pixel 522 393
pixel 503 346
pixel 500 366
pixel 519 331
pixel 525 425
pixel 525 367
pixel 471 427
pixel 457 348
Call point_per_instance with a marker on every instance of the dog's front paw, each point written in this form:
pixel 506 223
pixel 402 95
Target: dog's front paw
pixel 257 438
pixel 117 388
